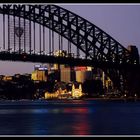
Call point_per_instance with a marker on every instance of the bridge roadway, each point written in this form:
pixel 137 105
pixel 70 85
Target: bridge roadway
pixel 24 57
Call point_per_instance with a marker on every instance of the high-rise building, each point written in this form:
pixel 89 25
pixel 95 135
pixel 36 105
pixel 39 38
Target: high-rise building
pixel 83 73
pixel 67 74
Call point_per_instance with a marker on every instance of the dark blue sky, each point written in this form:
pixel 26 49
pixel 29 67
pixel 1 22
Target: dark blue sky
pixel 122 22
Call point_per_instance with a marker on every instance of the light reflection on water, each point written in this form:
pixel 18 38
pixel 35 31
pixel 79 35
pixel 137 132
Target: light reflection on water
pixel 43 111
pixel 69 118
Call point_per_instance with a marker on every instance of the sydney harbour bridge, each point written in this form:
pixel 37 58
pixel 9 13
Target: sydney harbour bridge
pixel 31 33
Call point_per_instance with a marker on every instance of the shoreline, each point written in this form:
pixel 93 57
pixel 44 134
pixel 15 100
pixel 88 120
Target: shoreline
pixel 84 99
pixel 114 99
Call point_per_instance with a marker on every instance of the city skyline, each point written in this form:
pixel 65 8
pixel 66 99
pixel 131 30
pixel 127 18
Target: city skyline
pixel 119 21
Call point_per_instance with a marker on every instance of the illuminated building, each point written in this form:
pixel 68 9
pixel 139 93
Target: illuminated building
pixel 59 94
pixel 7 78
pixel 98 74
pixel 108 84
pixel 103 79
pixel 40 73
pixel 76 92
pixel 67 73
pixel 64 94
pixel 51 95
pixel 83 74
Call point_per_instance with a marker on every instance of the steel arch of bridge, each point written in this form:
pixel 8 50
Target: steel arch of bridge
pixel 94 42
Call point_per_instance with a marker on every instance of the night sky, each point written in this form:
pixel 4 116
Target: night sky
pixel 122 22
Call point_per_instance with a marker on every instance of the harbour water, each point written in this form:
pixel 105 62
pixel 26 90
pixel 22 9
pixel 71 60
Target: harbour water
pixel 75 117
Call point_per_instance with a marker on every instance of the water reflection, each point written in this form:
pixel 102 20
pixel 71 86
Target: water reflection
pixel 81 125
pixel 61 118
pixel 44 111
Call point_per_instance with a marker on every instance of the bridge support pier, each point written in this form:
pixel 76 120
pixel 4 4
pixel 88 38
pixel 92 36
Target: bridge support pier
pixel 132 85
